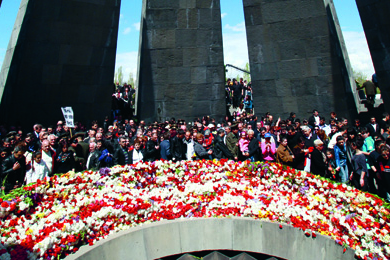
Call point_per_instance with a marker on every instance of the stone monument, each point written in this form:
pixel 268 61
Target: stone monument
pixel 61 53
pixel 376 23
pixel 298 58
pixel 181 69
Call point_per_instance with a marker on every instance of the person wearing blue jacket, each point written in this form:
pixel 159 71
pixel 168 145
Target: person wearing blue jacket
pixel 340 154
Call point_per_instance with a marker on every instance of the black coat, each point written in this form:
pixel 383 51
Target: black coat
pixel 372 131
pixel 254 149
pixel 318 166
pixel 220 149
pixel 10 176
pixel 151 153
pixel 178 149
pixel 64 162
pixel 312 121
pixel 120 157
pixel 93 163
pixel 310 142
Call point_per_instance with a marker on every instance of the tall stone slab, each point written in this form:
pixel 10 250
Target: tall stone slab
pixel 181 70
pixel 61 53
pixel 376 23
pixel 298 58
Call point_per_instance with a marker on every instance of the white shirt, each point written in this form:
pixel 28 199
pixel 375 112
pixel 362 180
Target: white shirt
pixel 190 149
pixel 326 128
pixel 46 157
pixel 317 118
pixel 40 172
pixel 137 156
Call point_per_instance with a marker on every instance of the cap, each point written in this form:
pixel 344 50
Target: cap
pixel 267 135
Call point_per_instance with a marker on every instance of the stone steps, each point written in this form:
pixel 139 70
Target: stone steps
pixel 219 256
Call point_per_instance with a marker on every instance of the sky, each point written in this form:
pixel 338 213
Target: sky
pixel 234 35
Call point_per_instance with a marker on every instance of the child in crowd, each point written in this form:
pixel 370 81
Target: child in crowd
pixel 248 104
pixel 331 172
pixel 243 143
pixel 38 169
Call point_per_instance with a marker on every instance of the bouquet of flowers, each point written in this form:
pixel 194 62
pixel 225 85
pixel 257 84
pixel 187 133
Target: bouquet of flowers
pixel 54 217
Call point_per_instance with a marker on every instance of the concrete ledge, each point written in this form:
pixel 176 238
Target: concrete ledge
pixel 166 238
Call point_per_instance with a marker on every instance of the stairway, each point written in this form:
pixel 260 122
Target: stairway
pixel 219 256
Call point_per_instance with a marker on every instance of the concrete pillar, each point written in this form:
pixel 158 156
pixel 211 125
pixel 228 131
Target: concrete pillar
pixel 181 69
pixel 376 23
pixel 61 53
pixel 298 58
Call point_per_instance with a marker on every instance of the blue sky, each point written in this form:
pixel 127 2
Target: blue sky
pixel 235 50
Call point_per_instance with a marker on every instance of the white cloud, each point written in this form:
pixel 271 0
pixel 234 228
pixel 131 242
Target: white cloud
pixel 240 27
pixel 223 15
pixel 128 61
pixel 137 26
pixel 127 30
pixel 358 52
pixel 235 51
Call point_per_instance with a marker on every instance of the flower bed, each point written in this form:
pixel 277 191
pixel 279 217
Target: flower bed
pixel 53 218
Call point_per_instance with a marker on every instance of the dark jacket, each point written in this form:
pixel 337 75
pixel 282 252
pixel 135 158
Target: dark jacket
pixel 165 150
pixel 93 163
pixel 312 121
pixel 372 130
pixel 64 162
pixel 220 149
pixel 120 157
pixel 299 157
pixel 9 176
pixel 178 149
pixel 200 151
pixel 318 165
pixel 151 153
pixel 254 149
pixel 231 143
pixel 310 142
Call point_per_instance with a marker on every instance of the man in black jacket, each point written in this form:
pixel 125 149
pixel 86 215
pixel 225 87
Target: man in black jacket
pixel 152 149
pixel 93 157
pixel 178 147
pixel 314 119
pixel 121 156
pixel 220 148
pixel 373 127
pixel 318 159
pixel 13 169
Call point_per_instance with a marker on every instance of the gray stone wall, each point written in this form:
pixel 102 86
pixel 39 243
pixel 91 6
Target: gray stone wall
pixel 61 53
pixel 181 69
pixel 165 238
pixel 376 23
pixel 298 58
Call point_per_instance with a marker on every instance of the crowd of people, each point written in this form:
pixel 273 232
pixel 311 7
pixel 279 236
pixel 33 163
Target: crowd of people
pixel 239 95
pixel 349 153
pixel 123 101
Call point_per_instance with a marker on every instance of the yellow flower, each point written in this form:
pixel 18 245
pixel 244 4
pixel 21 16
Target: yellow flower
pixel 29 231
